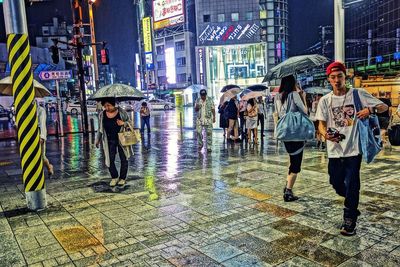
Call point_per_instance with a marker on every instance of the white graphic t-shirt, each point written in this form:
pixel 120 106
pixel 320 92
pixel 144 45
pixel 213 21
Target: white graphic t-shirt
pixel 339 113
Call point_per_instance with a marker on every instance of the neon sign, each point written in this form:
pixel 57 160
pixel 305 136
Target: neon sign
pixel 217 33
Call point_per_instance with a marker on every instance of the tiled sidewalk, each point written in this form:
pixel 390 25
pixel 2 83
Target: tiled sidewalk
pixel 181 208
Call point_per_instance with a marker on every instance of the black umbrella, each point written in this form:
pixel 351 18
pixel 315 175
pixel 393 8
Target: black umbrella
pixel 228 87
pixel 257 87
pixel 294 65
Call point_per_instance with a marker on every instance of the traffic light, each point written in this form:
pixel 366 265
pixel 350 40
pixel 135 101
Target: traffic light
pixel 104 56
pixel 55 56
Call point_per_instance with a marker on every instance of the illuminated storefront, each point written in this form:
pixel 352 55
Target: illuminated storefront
pixel 218 66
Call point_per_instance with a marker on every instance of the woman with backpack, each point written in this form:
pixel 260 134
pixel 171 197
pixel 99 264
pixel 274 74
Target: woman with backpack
pixel 290 97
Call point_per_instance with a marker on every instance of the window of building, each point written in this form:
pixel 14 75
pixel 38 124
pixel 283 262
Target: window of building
pixel 162 80
pixel 207 18
pixel 160 50
pixel 161 65
pixel 180 46
pixel 235 16
pixel 263 14
pixel 181 78
pixel 221 17
pixel 181 61
pixel 45 40
pixel 249 15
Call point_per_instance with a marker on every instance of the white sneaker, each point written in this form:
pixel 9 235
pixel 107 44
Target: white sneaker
pixel 113 182
pixel 121 182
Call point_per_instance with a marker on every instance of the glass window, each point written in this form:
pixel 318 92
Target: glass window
pixel 263 14
pixel 161 65
pixel 206 18
pixel 249 15
pixel 181 61
pixel 180 46
pixel 235 16
pixel 181 78
pixel 221 17
pixel 160 50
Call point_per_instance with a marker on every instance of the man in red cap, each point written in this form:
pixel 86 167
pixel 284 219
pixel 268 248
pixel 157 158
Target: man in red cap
pixel 336 114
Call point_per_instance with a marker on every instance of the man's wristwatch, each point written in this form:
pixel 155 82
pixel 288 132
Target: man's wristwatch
pixel 372 110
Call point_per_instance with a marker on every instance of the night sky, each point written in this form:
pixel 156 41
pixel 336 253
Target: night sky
pixel 305 16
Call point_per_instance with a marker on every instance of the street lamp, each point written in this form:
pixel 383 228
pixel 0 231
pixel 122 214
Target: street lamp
pixel 93 40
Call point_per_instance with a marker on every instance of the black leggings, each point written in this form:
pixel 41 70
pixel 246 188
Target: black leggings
pixel 295 160
pixel 113 146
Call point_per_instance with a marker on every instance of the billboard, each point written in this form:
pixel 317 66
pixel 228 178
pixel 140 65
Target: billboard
pixel 215 34
pixel 168 13
pixel 146 22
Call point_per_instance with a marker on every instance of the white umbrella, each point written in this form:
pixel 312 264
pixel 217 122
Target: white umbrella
pixel 6 88
pixel 229 94
pixel 252 94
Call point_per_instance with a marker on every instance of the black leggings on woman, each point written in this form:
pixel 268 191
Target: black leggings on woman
pixel 295 158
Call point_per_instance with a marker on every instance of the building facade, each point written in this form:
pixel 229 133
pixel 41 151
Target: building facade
pixel 167 42
pixel 372 29
pixel 238 41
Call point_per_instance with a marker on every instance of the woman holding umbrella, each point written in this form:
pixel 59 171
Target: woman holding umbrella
pixel 111 121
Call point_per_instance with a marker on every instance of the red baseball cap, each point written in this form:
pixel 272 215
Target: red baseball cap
pixel 335 66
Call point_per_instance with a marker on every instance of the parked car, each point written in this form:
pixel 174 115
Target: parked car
pixel 157 104
pixel 5 114
pixel 74 108
pixel 127 106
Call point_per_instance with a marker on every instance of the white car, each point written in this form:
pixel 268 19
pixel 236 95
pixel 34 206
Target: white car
pixel 157 104
pixel 74 108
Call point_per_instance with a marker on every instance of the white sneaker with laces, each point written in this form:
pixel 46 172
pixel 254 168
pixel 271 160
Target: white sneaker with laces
pixel 113 182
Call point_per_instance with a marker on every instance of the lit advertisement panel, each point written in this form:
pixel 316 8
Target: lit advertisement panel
pixel 148 47
pixel 167 13
pixel 170 65
pixel 219 34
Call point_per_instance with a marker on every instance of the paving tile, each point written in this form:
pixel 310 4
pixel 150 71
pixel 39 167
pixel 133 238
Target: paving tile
pixel 267 233
pixel 245 260
pixel 251 193
pixel 193 259
pixel 221 251
pixel 299 262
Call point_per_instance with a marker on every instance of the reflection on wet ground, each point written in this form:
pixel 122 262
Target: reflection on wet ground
pixel 184 208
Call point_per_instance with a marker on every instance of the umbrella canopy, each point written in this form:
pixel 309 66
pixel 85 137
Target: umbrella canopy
pixel 229 94
pixel 6 88
pixel 120 92
pixel 317 90
pixel 251 94
pixel 295 64
pixel 196 87
pixel 229 87
pixel 257 87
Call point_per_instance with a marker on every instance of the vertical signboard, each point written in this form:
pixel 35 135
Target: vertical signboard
pixel 202 64
pixel 147 42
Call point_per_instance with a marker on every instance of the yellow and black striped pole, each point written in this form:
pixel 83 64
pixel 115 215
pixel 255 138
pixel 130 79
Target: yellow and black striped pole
pixel 20 62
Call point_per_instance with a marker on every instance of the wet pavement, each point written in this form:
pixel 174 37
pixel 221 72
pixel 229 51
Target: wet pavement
pixel 184 208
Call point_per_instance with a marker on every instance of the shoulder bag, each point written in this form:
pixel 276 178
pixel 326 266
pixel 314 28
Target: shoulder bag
pixel 129 136
pixel 294 125
pixel 370 133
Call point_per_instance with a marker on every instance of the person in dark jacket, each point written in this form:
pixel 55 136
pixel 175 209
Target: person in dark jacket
pixel 223 123
pixel 232 114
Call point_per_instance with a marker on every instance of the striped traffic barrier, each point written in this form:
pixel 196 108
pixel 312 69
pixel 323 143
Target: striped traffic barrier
pixel 26 117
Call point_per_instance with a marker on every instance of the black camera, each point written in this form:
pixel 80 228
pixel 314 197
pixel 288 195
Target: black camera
pixel 336 134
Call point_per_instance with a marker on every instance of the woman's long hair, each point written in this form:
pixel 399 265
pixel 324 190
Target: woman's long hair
pixel 251 102
pixel 288 85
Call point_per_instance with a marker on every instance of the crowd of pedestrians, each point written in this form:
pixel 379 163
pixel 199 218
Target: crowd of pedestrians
pixel 335 116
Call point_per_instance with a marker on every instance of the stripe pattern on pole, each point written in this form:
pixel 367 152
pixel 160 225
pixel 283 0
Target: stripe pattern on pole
pixel 26 117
